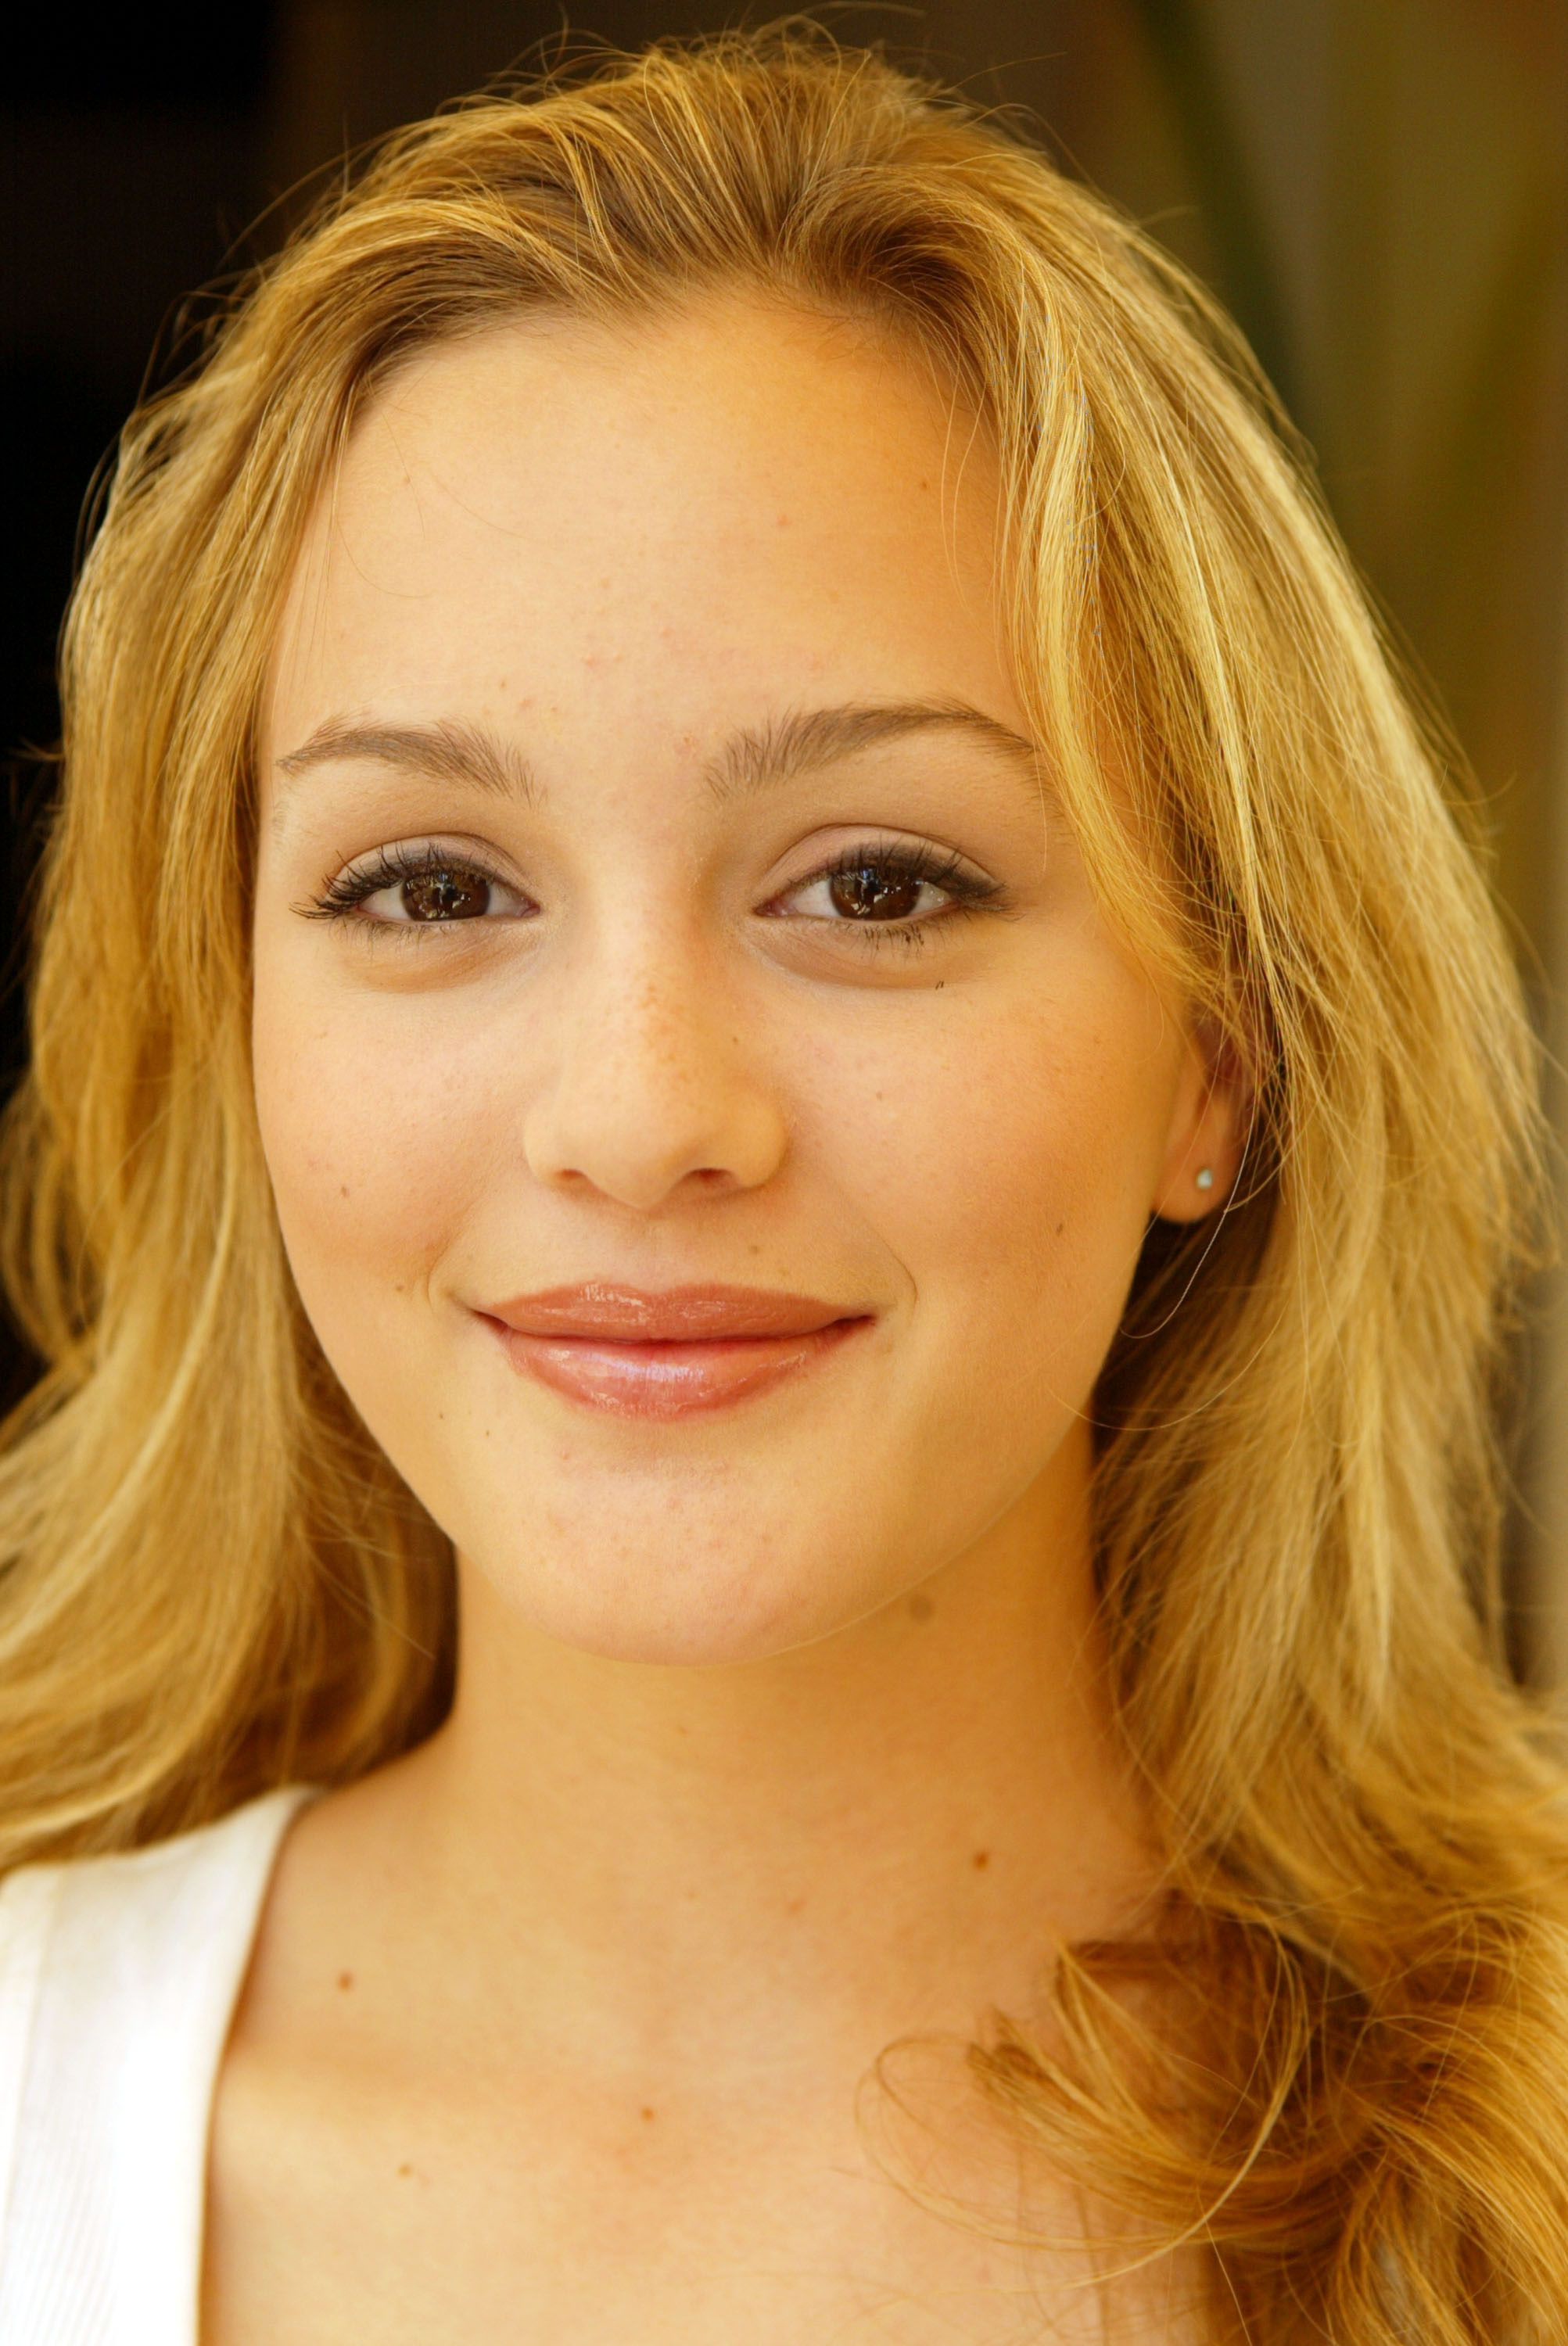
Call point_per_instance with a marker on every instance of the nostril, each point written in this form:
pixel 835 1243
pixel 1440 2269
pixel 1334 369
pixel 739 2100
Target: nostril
pixel 608 1128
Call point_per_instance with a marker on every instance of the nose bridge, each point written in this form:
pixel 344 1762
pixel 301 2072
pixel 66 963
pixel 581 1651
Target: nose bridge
pixel 652 1083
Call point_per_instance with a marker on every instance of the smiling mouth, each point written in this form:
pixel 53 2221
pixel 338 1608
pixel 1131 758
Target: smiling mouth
pixel 689 1350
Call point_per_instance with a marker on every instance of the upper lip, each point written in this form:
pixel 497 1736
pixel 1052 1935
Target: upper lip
pixel 617 1313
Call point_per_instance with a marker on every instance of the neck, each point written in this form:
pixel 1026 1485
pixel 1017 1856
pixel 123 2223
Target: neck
pixel 885 1830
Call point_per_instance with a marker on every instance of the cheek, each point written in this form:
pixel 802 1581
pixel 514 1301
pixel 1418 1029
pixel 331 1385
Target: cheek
pixel 1011 1169
pixel 378 1136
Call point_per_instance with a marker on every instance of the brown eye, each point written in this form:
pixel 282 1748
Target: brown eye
pixel 447 894
pixel 874 893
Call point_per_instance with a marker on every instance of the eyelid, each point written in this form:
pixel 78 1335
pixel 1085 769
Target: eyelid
pixel 379 868
pixel 967 885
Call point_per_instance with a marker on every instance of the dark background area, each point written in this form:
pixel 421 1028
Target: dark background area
pixel 1378 188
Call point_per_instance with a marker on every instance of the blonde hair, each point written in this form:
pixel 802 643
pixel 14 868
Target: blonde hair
pixel 1358 2097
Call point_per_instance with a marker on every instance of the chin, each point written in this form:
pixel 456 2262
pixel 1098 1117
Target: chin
pixel 663 1612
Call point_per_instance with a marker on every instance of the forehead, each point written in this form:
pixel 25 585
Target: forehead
pixel 739 494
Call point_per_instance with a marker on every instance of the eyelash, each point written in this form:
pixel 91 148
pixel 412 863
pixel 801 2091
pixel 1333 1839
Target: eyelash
pixel 391 867
pixel 911 863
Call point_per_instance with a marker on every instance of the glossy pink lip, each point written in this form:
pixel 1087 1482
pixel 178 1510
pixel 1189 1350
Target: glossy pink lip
pixel 666 1355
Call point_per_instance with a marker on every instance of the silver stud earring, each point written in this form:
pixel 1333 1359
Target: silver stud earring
pixel 1203 1178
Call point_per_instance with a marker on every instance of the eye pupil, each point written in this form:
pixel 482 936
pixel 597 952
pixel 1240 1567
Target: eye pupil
pixel 447 894
pixel 870 893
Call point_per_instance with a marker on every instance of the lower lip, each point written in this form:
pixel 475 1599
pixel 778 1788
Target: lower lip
pixel 668 1380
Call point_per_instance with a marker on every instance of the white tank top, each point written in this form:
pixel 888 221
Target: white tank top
pixel 119 1977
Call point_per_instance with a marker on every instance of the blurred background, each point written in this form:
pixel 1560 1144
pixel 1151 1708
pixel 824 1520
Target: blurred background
pixel 1379 189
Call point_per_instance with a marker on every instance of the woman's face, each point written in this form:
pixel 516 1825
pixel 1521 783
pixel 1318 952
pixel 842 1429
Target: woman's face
pixel 712 1126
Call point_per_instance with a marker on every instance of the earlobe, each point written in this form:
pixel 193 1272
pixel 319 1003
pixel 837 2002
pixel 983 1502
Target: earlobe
pixel 1202 1159
pixel 1192 1196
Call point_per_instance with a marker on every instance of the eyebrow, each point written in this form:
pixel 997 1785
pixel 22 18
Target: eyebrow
pixel 753 758
pixel 448 751
pixel 804 740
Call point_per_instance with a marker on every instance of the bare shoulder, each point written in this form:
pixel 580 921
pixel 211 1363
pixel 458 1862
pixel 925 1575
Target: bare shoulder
pixel 304 2094
pixel 340 1875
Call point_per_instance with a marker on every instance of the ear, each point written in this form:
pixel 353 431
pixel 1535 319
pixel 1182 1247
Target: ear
pixel 1207 1135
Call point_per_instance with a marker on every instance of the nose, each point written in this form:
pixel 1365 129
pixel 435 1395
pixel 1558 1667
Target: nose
pixel 652 1089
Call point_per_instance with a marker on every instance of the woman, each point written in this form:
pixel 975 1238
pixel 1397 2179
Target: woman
pixel 777 1152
